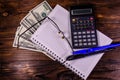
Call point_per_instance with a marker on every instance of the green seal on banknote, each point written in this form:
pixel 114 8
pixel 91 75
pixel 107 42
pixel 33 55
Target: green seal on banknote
pixel 44 14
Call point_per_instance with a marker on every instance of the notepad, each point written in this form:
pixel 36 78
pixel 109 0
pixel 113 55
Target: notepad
pixel 51 41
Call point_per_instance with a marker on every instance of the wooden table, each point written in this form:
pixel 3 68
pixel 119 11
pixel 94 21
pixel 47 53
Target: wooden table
pixel 19 64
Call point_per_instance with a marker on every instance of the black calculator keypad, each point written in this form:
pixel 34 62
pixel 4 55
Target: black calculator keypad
pixel 83 32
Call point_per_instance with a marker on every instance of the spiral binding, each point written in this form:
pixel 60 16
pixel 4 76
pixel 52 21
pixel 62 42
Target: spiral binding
pixel 59 59
pixel 49 51
pixel 75 70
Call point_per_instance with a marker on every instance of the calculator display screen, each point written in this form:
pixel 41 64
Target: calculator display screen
pixel 81 11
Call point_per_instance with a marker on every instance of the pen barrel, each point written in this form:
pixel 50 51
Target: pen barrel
pixel 77 56
pixel 92 51
pixel 97 49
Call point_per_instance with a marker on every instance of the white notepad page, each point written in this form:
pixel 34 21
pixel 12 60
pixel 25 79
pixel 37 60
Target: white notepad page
pixel 84 66
pixel 47 37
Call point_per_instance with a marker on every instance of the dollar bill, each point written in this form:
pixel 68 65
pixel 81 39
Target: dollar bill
pixel 21 40
pixel 16 35
pixel 25 44
pixel 31 21
pixel 35 16
pixel 41 11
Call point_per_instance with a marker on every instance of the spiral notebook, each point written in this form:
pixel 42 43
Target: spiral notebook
pixel 49 39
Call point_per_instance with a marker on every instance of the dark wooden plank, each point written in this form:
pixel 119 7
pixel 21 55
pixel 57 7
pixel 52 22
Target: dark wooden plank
pixel 19 64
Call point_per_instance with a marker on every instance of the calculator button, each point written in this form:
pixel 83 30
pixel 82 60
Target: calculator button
pixel 79 36
pixel 88 32
pixel 84 44
pixel 84 27
pixel 89 43
pixel 94 43
pixel 80 40
pixel 75 40
pixel 81 21
pixel 76 44
pixel 87 18
pixel 88 21
pixel 92 27
pixel 84 40
pixel 74 28
pixel 88 39
pixel 84 21
pixel 80 44
pixel 73 20
pixel 84 36
pixel 92 31
pixel 78 27
pixel 75 33
pixel 83 32
pixel 75 36
pixel 93 35
pixel 88 36
pixel 74 25
pixel 79 32
pixel 92 21
pixel 91 18
pixel 93 39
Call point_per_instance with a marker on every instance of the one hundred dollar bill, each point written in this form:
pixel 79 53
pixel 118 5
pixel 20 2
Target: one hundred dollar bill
pixel 16 35
pixel 31 21
pixel 25 44
pixel 41 11
pixel 21 39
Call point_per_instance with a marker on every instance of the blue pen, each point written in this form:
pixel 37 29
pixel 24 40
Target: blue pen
pixel 92 51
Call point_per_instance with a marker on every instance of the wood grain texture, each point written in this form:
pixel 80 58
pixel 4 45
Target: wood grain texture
pixel 19 64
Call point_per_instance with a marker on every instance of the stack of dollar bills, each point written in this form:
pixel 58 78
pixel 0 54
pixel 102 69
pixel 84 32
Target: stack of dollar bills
pixel 29 25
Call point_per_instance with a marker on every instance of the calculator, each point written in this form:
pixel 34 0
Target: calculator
pixel 83 27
